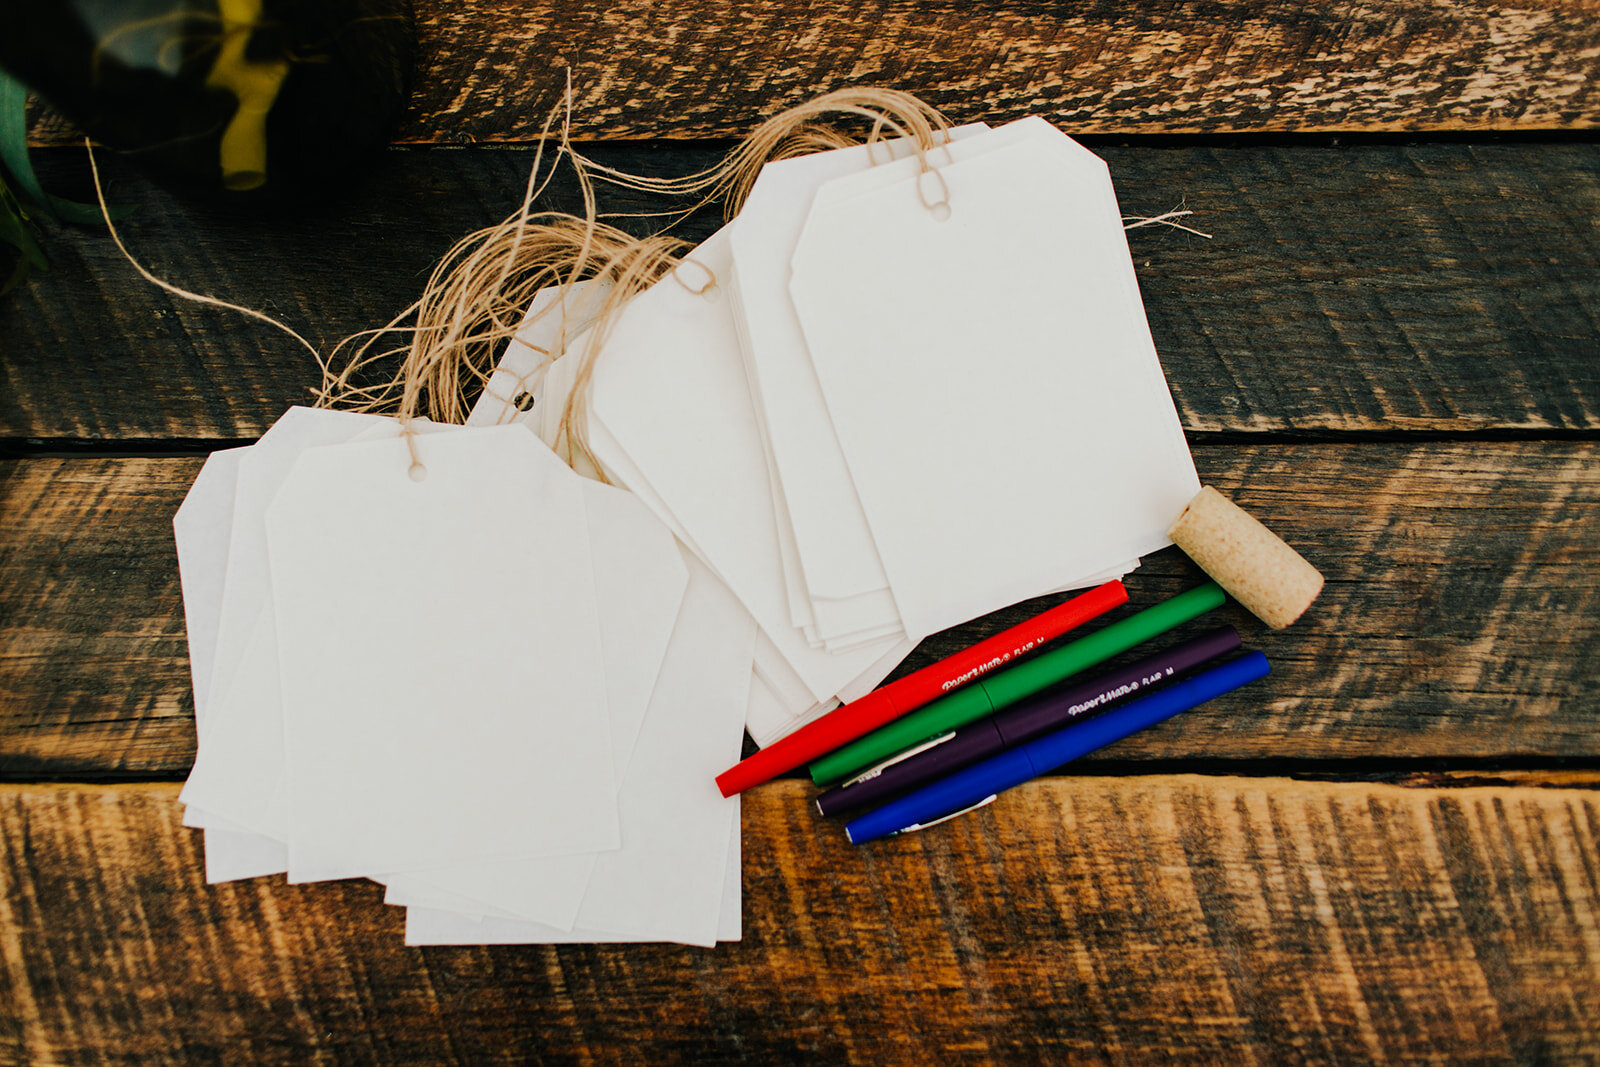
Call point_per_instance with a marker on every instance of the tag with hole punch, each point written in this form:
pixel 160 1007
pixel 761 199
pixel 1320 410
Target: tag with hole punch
pixel 841 583
pixel 549 323
pixel 976 330
pixel 439 648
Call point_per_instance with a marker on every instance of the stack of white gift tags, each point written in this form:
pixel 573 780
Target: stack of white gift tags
pixel 444 661
pixel 900 390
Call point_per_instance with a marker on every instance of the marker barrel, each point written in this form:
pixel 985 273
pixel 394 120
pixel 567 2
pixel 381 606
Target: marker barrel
pixel 880 706
pixel 1006 687
pixel 1029 719
pixel 1015 766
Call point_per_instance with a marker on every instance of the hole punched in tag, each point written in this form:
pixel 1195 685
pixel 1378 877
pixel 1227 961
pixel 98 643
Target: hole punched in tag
pixel 416 471
pixel 939 208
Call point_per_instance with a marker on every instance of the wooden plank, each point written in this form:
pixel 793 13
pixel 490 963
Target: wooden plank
pixel 1444 288
pixel 709 68
pixel 1461 618
pixel 1112 920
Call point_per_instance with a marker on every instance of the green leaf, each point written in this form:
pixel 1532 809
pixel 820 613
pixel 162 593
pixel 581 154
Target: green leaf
pixel 14 139
pixel 14 154
pixel 88 214
pixel 16 231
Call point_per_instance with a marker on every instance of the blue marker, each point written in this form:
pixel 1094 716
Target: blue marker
pixel 982 782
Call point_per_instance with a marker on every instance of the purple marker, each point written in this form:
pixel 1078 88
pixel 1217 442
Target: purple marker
pixel 1032 718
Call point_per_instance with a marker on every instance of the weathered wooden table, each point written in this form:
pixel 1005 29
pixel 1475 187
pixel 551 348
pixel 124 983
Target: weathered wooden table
pixel 1389 352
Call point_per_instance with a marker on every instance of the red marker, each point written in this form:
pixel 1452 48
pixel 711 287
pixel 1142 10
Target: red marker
pixel 863 716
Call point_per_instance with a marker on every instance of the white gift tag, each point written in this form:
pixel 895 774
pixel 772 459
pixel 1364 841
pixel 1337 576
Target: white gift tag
pixel 1016 313
pixel 796 698
pixel 540 340
pixel 640 580
pixel 261 470
pixel 202 528
pixel 436 926
pixel 639 584
pixel 440 657
pixel 667 881
pixel 556 388
pixel 842 572
pixel 669 392
pixel 238 773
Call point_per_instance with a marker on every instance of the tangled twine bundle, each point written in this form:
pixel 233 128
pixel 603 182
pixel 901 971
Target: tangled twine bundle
pixel 477 297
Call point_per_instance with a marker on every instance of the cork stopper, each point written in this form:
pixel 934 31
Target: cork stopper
pixel 1248 560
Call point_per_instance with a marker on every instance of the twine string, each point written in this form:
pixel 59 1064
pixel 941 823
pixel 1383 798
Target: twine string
pixel 445 345
pixel 185 294
pixel 1168 218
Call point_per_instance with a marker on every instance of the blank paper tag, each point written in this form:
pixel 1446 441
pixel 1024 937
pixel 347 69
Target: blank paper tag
pixel 202 529
pixel 1007 427
pixel 842 572
pixel 440 656
pixel 671 880
pixel 541 339
pixel 669 405
pixel 640 578
pixel 667 880
pixel 238 773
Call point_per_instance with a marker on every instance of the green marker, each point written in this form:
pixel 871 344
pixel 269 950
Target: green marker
pixel 1009 686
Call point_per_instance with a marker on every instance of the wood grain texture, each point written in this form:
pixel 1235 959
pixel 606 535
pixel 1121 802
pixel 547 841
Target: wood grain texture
pixel 1461 617
pixel 1444 288
pixel 714 68
pixel 1105 920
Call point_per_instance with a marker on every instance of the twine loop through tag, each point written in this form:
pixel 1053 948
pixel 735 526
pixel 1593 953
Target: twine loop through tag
pixel 939 209
pixel 705 287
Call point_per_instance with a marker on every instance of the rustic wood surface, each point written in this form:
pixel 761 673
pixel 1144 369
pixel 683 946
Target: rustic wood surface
pixel 710 68
pixel 1445 288
pixel 1389 352
pixel 1461 619
pixel 1111 920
